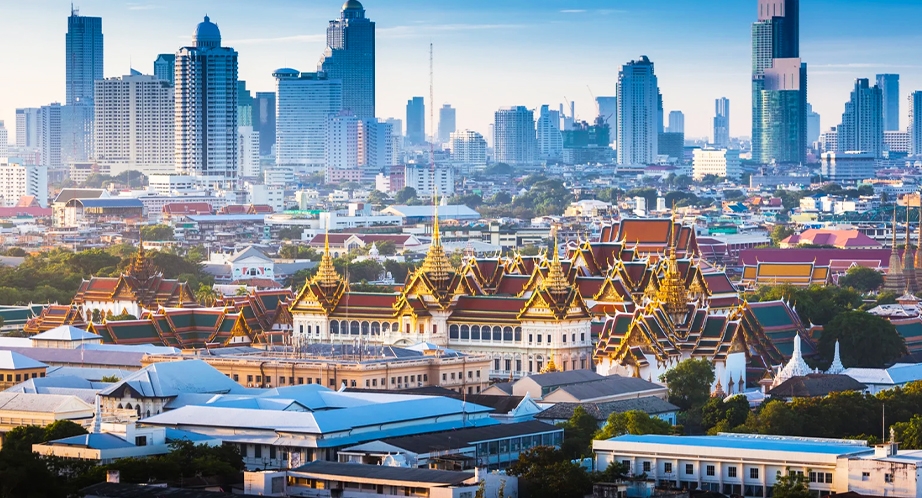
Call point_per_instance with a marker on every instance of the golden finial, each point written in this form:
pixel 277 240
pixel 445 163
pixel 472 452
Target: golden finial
pixel 550 367
pixel 326 273
pixel 556 281
pixel 436 265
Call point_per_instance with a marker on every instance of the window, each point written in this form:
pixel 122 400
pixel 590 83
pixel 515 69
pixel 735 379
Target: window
pixel 281 380
pixel 444 377
pixel 393 381
pixel 301 380
pixel 530 339
pixel 140 441
pixel 709 470
pixel 626 463
pixel 888 477
pixel 667 467
pixel 258 451
pixel 646 466
pixel 689 469
pixel 865 476
pixel 753 473
pixel 539 338
pixel 453 374
pixel 582 337
pixel 813 476
pixel 374 382
pixel 508 365
pixel 549 338
pixel 412 378
pixel 496 365
pixel 564 337
pixel 426 377
pixel 249 379
pixel 268 379
pixel 518 365
pixel 573 338
pixel 731 471
pixel 470 374
pixel 272 452
pixel 236 378
pixel 828 478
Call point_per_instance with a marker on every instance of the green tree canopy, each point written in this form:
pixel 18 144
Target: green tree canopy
pixel 635 422
pixel 578 433
pixel 862 279
pixel 721 415
pixel 547 473
pixel 157 232
pixel 689 383
pixel 789 485
pixel 405 195
pixel 865 340
pixel 781 232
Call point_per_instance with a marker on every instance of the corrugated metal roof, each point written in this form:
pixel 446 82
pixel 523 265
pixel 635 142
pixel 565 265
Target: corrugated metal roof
pixel 169 379
pixel 384 473
pixel 66 333
pixel 10 360
pixel 43 403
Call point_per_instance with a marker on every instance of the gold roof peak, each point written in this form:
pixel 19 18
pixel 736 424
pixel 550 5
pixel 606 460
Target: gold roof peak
pixel 436 265
pixel 326 275
pixel 556 281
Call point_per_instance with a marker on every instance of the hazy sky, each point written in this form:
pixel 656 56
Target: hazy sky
pixel 488 53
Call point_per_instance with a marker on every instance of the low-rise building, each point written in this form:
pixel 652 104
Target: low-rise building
pixel 847 166
pixel 718 162
pixel 15 368
pixel 19 409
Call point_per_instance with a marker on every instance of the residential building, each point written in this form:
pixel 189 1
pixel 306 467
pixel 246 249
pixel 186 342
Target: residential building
pixel 813 125
pixel 264 112
pixel 134 125
pixel 18 180
pixel 468 147
pixel 22 409
pixel 248 156
pixel 350 58
pixel 77 135
pixel 898 141
pixel 304 104
pixel 671 145
pixel 341 148
pixel 27 125
pixel 447 123
pixel 49 135
pixel 4 141
pixel 639 117
pixel 889 85
pixel 514 139
pixel 829 140
pixel 165 68
pixel 915 122
pixel 848 166
pixel 722 123
pixel 719 162
pixel 676 122
pixel 375 143
pixel 206 108
pixel 416 121
pixel 608 109
pixel 244 105
pixel 83 57
pixel 550 138
pixel 429 182
pixel 15 368
pixel 862 128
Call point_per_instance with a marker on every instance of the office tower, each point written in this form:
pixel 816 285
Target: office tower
pixel 244 105
pixel 206 108
pixel 779 84
pixel 264 121
pixel 248 164
pixel 27 127
pixel 718 162
pixel 18 180
pixel 49 135
pixel 722 123
pixel 514 140
pixel 862 127
pixel 676 122
pixel 341 149
pixel 350 58
pixel 427 181
pixel 829 140
pixel 304 103
pixel 468 147
pixel 889 85
pixel 375 145
pixel 416 121
pixel 447 124
pixel 915 123
pixel 84 56
pixel 639 113
pixel 396 125
pixel 897 141
pixel 671 145
pixel 165 68
pixel 549 137
pixel 608 109
pixel 134 125
pixel 813 125
pixel 4 141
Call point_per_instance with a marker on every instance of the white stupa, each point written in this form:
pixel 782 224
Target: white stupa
pixel 796 367
pixel 836 367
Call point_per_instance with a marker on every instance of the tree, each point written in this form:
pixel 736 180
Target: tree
pixel 635 422
pixel 865 340
pixel 498 169
pixel 862 279
pixel 909 434
pixel 500 198
pixel 291 233
pixel 206 295
pixel 723 415
pixel 548 474
pixel 578 432
pixel 689 383
pixel 405 195
pixel 378 198
pixel 648 193
pixel 781 232
pixel 109 378
pixel 157 232
pixel 791 486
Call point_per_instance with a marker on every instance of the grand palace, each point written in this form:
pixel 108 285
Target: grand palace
pixel 635 302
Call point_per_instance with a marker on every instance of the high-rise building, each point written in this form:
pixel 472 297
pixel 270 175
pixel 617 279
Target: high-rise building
pixel 27 127
pixel 447 124
pixel 264 121
pixel 676 122
pixel 862 128
pixel 639 113
pixel 514 140
pixel 396 125
pixel 608 110
pixel 779 84
pixel 549 137
pixel 248 165
pixel 847 166
pixel 342 148
pixel 671 145
pixel 350 57
pixel 813 125
pixel 375 145
pixel 468 147
pixel 77 136
pixel 134 125
pixel 4 141
pixel 84 56
pixel 724 163
pixel 915 122
pixel 49 135
pixel 722 123
pixel 165 68
pixel 18 180
pixel 206 108
pixel 244 105
pixel 304 104
pixel 889 85
pixel 416 121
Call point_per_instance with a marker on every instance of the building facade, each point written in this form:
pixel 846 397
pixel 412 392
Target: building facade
pixel 264 109
pixel 550 139
pixel 206 108
pixel 350 58
pixel 416 121
pixel 447 123
pixel 915 122
pixel 18 180
pixel 514 139
pixel 341 146
pixel 889 85
pixel 723 163
pixel 676 122
pixel 165 68
pixel 429 182
pixel 27 124
pixel 49 135
pixel 862 128
pixel 639 117
pixel 468 147
pixel 722 123
pixel 304 103
pixel 84 56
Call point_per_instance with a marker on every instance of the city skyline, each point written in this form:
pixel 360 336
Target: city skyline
pixel 285 34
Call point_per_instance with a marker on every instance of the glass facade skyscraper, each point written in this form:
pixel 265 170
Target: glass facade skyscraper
pixel 862 128
pixel 722 123
pixel 84 56
pixel 350 57
pixel 640 113
pixel 889 85
pixel 164 67
pixel 416 121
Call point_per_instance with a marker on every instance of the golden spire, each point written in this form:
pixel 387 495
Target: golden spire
pixel 326 273
pixel 672 291
pixel 894 230
pixel 550 367
pixel 436 265
pixel 556 281
pixel 140 268
pixel 919 245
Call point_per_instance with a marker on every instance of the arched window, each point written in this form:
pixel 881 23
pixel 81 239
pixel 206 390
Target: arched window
pixel 395 327
pixel 148 413
pixel 453 332
pixel 518 334
pixel 375 328
pixel 334 327
pixel 497 333
pixel 475 333
pixel 386 327
pixel 354 328
pixel 120 406
pixel 365 328
pixel 465 332
pixel 507 334
pixel 128 406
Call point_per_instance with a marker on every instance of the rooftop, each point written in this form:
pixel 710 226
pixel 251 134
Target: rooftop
pixel 11 360
pixel 66 333
pixel 380 472
pixel 753 443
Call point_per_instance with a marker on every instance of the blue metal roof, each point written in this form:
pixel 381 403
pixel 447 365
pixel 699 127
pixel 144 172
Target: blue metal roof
pixel 778 443
pixel 111 203
pixel 95 441
pixel 226 217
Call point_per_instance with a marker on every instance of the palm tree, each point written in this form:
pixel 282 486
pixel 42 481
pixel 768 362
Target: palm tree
pixel 206 295
pixel 241 291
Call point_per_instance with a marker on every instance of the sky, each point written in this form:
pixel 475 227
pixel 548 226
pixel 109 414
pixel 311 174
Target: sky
pixel 488 53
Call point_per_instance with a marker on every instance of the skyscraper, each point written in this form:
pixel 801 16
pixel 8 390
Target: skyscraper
pixel 49 135
pixel 550 139
pixel 4 141
pixel 469 147
pixel 862 128
pixel 447 124
pixel 514 135
pixel 264 121
pixel 350 57
pixel 27 127
pixel 206 107
pixel 342 148
pixel 608 109
pixel 164 68
pixel 813 125
pixel 639 113
pixel 915 123
pixel 84 56
pixel 134 124
pixel 890 89
pixel 722 123
pixel 676 122
pixel 779 84
pixel 416 121
pixel 304 104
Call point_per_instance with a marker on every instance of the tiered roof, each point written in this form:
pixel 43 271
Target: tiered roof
pixel 54 316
